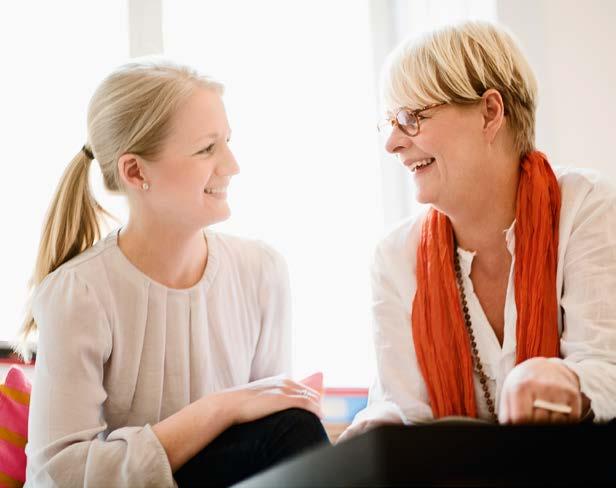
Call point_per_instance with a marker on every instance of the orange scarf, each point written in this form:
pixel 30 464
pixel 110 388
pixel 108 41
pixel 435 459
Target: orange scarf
pixel 439 332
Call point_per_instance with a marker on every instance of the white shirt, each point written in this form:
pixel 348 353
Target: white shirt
pixel 586 291
pixel 118 352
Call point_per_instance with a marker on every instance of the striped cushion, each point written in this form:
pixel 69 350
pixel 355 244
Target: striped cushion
pixel 14 405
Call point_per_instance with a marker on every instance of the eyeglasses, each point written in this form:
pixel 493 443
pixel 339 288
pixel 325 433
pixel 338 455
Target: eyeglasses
pixel 406 120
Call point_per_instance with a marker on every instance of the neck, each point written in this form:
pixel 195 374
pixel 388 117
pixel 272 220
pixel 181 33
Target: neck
pixel 478 225
pixel 168 254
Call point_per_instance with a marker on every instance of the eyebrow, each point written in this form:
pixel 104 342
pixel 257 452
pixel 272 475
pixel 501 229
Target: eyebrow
pixel 211 135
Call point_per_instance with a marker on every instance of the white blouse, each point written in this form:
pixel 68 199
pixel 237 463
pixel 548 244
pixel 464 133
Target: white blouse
pixel 586 291
pixel 119 352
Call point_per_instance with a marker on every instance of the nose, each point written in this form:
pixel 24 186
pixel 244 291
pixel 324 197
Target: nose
pixel 397 141
pixel 229 167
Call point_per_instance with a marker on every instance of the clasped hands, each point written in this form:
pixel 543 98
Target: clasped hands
pixel 539 390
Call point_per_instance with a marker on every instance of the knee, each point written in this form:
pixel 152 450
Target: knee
pixel 303 424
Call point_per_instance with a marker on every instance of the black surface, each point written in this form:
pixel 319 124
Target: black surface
pixel 457 455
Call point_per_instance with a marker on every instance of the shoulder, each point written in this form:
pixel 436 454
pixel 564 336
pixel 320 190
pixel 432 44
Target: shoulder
pixel 81 276
pixel 585 194
pixel 399 245
pixel 395 259
pixel 581 183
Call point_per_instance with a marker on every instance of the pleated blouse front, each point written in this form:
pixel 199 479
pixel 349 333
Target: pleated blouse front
pixel 119 352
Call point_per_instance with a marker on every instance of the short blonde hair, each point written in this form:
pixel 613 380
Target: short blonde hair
pixel 457 64
pixel 130 112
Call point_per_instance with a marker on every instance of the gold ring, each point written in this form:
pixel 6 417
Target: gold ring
pixel 552 407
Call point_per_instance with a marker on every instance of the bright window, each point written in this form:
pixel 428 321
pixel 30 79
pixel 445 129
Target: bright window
pixel 301 101
pixel 53 56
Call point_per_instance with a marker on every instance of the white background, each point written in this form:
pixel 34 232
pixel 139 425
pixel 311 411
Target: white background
pixel 302 101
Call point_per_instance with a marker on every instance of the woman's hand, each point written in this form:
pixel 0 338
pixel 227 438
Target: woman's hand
pixel 359 428
pixel 379 413
pixel 267 396
pixel 543 380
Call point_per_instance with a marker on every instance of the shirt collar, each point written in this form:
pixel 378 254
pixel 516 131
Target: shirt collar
pixel 466 257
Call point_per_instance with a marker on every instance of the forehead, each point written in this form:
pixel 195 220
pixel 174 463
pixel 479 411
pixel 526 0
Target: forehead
pixel 201 114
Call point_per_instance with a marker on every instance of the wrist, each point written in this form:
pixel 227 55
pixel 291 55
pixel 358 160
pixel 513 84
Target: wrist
pixel 224 407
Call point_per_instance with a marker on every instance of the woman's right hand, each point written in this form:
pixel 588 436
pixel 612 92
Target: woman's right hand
pixel 266 396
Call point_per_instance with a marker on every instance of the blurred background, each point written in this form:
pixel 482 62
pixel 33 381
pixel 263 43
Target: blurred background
pixel 301 83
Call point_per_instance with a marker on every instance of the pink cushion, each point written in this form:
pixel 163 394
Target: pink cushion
pixel 14 406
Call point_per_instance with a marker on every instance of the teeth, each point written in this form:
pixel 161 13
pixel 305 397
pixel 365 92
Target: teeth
pixel 422 163
pixel 209 191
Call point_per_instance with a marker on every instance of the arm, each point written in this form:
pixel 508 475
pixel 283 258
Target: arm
pixel 588 341
pixel 67 444
pixel 189 430
pixel 584 377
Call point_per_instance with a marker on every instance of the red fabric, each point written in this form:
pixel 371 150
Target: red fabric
pixel 14 407
pixel 439 332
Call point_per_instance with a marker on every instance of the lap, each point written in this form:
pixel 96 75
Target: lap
pixel 246 449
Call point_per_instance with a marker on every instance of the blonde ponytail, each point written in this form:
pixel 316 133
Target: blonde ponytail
pixel 71 226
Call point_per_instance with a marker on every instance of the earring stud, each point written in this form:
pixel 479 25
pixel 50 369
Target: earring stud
pixel 145 186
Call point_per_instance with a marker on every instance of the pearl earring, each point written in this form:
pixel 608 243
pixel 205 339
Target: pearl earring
pixel 145 186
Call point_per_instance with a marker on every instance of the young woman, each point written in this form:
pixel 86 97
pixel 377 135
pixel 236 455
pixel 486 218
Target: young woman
pixel 498 301
pixel 162 346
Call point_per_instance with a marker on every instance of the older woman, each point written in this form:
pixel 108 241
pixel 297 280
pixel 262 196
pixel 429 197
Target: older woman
pixel 497 302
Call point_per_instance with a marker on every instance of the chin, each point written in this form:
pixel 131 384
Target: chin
pixel 424 197
pixel 217 218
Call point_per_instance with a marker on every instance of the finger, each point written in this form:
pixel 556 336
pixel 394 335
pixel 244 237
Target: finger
pixel 573 401
pixel 521 405
pixel 313 407
pixel 306 393
pixel 314 381
pixel 561 399
pixel 295 386
pixel 576 407
pixel 559 418
pixel 503 411
pixel 305 403
pixel 354 430
pixel 347 434
pixel 541 416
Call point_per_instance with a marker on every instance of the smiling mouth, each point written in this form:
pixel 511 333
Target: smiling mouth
pixel 212 191
pixel 422 163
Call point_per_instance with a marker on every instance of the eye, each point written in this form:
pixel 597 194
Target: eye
pixel 207 150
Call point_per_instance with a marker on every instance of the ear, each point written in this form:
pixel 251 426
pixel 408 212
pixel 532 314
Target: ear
pixel 493 112
pixel 131 171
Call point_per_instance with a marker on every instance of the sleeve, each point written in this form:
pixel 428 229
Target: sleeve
pixel 398 393
pixel 588 340
pixel 68 443
pixel 273 352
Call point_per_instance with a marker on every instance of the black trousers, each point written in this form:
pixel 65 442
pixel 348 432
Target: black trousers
pixel 246 449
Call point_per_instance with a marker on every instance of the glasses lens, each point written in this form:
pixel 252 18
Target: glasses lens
pixel 408 121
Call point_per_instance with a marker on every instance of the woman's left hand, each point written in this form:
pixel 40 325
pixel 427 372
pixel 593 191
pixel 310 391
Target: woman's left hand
pixel 540 379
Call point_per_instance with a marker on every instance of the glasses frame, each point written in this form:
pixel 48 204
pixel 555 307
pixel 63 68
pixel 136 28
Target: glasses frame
pixel 393 121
